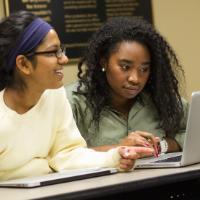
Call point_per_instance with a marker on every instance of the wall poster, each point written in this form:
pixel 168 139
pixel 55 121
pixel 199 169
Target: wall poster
pixel 76 20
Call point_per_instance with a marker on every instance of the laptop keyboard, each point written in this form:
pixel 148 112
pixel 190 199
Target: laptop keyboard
pixel 172 159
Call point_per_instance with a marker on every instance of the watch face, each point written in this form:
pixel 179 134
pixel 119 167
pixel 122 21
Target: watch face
pixel 163 146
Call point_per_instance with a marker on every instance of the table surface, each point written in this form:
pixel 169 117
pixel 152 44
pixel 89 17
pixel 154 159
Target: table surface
pixel 94 187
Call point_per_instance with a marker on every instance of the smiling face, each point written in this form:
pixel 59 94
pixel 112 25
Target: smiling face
pixel 128 70
pixel 48 71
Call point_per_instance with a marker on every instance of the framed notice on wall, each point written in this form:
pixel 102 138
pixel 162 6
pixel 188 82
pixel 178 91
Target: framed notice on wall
pixel 76 20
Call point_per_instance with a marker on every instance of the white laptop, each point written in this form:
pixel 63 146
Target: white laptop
pixel 191 147
pixel 58 177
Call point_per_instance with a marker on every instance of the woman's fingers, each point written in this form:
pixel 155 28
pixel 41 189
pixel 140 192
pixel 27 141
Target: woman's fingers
pixel 141 138
pixel 127 164
pixel 135 152
pixel 135 139
pixel 143 142
pixel 130 154
pixel 150 139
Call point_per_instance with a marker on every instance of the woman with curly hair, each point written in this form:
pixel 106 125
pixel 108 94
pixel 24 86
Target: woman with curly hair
pixel 128 89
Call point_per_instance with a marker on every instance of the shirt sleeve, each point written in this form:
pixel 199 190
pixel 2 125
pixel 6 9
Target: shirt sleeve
pixel 69 150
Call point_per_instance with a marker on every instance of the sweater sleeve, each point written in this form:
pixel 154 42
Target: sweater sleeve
pixel 69 150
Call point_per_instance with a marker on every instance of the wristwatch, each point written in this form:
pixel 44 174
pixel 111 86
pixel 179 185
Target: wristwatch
pixel 163 146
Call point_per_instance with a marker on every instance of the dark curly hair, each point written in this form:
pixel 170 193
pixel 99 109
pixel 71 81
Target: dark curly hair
pixel 163 84
pixel 10 29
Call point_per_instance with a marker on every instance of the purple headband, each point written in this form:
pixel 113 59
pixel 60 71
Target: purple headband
pixel 28 39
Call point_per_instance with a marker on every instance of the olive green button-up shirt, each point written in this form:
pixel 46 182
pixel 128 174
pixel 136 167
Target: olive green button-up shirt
pixel 113 126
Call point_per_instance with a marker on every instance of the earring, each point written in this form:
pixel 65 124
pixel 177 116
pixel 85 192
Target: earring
pixel 103 69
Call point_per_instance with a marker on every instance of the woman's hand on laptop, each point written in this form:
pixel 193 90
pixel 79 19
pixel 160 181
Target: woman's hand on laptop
pixel 130 154
pixel 141 138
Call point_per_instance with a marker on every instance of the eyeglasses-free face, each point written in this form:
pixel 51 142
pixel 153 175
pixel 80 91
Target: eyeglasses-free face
pixel 58 53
